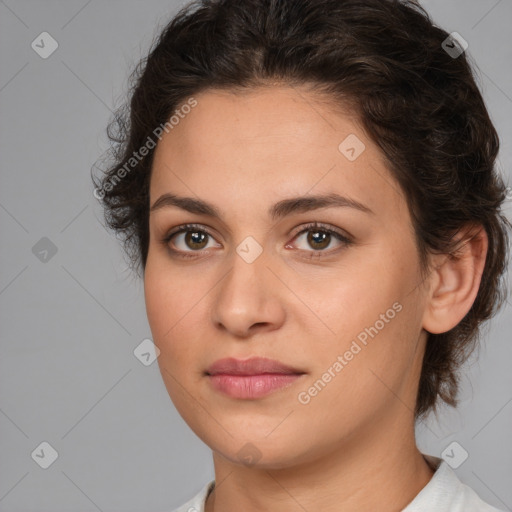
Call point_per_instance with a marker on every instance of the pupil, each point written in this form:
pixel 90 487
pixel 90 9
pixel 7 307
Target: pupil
pixel 192 238
pixel 323 237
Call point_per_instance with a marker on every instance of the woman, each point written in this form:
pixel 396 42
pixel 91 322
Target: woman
pixel 309 189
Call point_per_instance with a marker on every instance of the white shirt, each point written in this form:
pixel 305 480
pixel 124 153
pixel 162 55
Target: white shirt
pixel 443 493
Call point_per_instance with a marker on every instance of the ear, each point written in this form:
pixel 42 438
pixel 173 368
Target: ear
pixel 455 280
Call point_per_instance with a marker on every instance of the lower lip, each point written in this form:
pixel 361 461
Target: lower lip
pixel 252 386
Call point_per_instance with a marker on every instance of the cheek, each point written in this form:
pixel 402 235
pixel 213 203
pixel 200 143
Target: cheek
pixel 374 323
pixel 164 304
pixel 164 309
pixel 364 384
pixel 158 300
pixel 174 310
pixel 348 301
pixel 169 295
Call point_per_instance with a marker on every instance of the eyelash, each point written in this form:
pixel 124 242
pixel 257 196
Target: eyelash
pixel 313 226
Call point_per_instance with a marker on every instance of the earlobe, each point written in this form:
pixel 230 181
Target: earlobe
pixel 455 281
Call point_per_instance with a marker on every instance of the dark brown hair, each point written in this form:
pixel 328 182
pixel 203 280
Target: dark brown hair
pixel 383 58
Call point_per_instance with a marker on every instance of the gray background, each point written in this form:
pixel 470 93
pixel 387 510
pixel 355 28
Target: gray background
pixel 69 326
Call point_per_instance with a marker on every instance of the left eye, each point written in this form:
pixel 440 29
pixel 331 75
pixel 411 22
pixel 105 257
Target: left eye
pixel 319 238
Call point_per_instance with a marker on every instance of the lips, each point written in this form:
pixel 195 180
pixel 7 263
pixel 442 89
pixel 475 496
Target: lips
pixel 253 366
pixel 251 379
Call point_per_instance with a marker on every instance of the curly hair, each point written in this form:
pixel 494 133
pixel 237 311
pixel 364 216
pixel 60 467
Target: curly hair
pixel 387 61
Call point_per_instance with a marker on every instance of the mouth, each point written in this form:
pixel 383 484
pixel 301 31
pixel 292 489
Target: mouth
pixel 251 378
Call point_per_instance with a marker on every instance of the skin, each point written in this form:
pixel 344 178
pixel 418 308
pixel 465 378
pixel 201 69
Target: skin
pixel 352 447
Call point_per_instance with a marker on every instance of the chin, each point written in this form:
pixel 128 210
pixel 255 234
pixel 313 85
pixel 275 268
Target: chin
pixel 260 453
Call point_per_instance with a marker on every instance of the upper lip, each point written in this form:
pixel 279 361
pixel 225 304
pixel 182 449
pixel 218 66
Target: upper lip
pixel 252 366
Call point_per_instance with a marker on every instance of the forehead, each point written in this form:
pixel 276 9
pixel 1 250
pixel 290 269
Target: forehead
pixel 271 141
pixel 262 113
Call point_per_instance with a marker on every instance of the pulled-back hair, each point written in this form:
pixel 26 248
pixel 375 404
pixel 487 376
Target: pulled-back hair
pixel 383 59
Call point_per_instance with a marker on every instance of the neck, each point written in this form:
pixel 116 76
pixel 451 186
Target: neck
pixel 385 475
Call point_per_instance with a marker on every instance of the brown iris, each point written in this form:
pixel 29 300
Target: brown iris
pixel 313 239
pixel 196 239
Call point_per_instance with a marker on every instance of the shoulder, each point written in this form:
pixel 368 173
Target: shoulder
pixel 196 504
pixel 467 500
pixel 446 493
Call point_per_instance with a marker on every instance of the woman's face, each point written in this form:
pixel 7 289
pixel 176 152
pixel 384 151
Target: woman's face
pixel 344 313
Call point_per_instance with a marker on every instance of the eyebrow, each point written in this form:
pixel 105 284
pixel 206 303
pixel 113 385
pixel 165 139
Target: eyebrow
pixel 277 211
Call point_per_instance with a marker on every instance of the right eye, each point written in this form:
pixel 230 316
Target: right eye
pixel 193 238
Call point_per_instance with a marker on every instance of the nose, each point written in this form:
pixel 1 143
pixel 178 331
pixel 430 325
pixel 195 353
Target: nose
pixel 249 298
